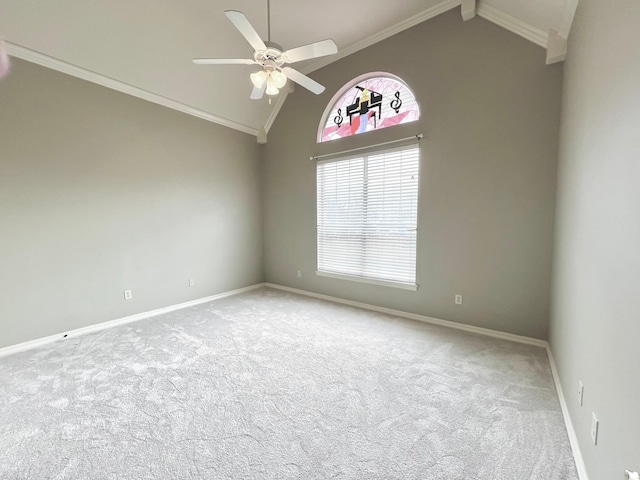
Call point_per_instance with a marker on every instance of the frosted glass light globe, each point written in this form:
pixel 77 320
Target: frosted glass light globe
pixel 258 78
pixel 279 79
pixel 271 87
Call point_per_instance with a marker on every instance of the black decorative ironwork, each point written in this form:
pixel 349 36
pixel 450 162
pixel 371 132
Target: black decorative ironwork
pixel 397 103
pixel 338 119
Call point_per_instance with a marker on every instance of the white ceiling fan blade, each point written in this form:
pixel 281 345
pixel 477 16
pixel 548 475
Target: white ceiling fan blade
pixel 223 61
pixel 245 28
pixel 257 93
pixel 313 50
pixel 302 80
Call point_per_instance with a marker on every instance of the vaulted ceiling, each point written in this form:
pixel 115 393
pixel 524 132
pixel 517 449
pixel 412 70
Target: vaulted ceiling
pixel 145 47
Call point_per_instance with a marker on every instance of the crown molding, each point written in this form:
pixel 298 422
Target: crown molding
pixel 494 15
pixel 513 24
pixel 504 20
pixel 556 48
pixel 427 14
pixel 38 58
pixel 364 43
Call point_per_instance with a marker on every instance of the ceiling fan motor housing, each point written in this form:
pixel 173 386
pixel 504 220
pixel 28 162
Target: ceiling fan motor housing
pixel 272 55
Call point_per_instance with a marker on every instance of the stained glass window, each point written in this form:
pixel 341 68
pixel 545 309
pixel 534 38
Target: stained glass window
pixel 368 103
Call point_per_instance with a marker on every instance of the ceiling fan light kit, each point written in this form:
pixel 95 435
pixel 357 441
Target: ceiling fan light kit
pixel 272 59
pixel 258 78
pixel 274 80
pixel 271 79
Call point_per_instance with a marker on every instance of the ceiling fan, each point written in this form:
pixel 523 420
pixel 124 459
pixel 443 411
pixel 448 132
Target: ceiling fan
pixel 272 58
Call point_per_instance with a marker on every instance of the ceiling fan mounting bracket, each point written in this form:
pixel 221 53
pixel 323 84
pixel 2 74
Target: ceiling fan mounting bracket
pixel 271 55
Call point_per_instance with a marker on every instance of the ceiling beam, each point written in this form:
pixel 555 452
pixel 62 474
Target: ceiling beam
pixel 468 9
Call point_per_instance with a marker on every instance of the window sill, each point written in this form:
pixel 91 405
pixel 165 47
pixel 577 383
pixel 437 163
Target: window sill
pixel 371 281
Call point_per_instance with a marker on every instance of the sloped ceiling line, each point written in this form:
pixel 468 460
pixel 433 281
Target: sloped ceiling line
pixel 567 18
pixel 513 24
pixel 79 72
pixel 558 40
pixel 423 16
pixel 427 14
pixel 553 41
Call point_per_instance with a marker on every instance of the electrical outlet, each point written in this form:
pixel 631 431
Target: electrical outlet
pixel 458 299
pixel 192 282
pixel 299 273
pixel 580 392
pixel 594 428
pixel 128 295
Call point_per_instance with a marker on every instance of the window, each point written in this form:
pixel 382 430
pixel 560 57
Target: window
pixel 367 103
pixel 367 217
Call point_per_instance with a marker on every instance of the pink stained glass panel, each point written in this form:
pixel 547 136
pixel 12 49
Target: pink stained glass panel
pixel 371 104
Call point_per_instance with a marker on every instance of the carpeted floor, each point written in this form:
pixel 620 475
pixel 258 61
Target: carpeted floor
pixel 270 385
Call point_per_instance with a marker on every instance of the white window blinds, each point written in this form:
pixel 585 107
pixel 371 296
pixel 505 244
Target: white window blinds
pixel 367 216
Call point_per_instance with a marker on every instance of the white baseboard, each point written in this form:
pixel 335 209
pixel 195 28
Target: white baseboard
pixel 119 321
pixel 573 438
pixel 421 318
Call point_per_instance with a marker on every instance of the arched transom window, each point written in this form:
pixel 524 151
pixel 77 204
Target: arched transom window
pixel 369 102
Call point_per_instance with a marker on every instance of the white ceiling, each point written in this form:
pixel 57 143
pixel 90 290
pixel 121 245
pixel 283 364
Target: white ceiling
pixel 145 47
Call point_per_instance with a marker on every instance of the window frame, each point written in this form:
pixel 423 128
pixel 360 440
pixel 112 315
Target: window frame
pixel 350 85
pixel 369 152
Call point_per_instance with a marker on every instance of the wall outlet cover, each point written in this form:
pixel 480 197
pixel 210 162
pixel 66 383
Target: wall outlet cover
pixel 594 428
pixel 580 392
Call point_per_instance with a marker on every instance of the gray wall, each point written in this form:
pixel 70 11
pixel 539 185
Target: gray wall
pixel 490 113
pixel 101 192
pixel 595 325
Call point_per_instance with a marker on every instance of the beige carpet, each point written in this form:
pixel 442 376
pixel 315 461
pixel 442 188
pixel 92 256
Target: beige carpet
pixel 270 385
